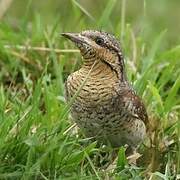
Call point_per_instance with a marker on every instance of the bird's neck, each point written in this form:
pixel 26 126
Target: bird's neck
pixel 99 68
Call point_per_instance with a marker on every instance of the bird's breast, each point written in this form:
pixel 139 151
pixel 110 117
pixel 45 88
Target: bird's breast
pixel 98 89
pixel 99 109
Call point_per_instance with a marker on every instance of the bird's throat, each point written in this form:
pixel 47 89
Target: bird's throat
pixel 99 68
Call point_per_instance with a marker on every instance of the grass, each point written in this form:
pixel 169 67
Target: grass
pixel 36 140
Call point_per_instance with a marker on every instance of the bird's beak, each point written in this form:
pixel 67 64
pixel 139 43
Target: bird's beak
pixel 74 37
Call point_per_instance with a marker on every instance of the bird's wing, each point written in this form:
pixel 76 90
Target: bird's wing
pixel 139 109
pixel 134 106
pixel 66 91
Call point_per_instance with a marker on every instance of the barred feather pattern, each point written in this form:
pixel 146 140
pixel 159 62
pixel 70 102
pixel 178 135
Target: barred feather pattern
pixel 106 108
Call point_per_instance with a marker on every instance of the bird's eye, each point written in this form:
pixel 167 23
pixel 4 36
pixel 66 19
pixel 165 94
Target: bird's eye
pixel 99 41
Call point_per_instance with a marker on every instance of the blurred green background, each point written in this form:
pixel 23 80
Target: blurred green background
pixel 150 16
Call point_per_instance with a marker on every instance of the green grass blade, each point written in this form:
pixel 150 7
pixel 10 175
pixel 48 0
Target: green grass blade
pixel 122 161
pixel 172 100
pixel 83 10
pixel 105 17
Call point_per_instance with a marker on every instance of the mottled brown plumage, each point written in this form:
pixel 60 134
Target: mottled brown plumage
pixel 106 106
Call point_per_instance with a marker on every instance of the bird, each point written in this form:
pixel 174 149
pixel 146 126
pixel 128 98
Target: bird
pixel 105 106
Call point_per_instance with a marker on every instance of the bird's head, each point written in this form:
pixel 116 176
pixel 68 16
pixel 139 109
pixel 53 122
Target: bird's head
pixel 98 46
